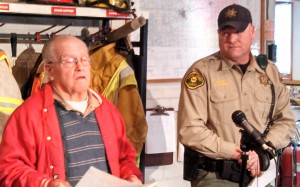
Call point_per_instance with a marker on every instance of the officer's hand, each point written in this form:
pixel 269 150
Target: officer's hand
pixel 237 154
pixel 59 183
pixel 253 164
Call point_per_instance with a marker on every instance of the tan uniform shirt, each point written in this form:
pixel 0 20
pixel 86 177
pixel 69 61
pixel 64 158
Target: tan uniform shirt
pixel 213 88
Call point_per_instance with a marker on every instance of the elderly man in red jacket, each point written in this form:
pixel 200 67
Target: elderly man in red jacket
pixel 65 128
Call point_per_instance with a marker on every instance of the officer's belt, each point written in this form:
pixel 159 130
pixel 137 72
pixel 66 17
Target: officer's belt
pixel 211 165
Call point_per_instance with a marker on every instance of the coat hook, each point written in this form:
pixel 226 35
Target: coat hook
pixel 106 29
pixel 13 42
pixel 53 33
pixel 38 34
pixel 100 34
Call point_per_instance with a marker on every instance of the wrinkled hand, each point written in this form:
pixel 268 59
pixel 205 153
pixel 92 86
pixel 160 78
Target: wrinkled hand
pixel 59 183
pixel 134 179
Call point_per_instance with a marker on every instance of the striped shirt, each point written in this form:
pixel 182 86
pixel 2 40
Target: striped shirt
pixel 83 144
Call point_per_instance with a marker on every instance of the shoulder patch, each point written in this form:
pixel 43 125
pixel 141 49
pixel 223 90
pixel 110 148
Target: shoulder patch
pixel 194 80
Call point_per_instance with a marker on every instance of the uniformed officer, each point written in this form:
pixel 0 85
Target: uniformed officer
pixel 231 79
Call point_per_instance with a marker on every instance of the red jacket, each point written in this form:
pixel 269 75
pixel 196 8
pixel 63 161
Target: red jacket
pixel 32 149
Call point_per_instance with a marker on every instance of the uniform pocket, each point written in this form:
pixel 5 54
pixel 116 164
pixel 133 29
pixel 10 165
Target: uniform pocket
pixel 223 104
pixel 263 101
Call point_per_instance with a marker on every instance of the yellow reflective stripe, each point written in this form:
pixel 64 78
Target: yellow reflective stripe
pixel 2 57
pixel 6 110
pixel 110 90
pixel 10 100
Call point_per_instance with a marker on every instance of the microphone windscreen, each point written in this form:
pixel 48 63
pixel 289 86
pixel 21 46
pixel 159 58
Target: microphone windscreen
pixel 238 117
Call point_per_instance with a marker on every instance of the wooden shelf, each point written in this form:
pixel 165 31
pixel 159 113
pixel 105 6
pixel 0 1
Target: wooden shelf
pixel 164 80
pixel 291 82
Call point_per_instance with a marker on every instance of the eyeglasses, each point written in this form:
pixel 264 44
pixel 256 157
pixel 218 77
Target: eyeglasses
pixel 71 62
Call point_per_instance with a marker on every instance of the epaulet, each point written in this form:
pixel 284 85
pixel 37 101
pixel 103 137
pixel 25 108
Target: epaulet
pixel 214 56
pixel 271 62
pixel 202 62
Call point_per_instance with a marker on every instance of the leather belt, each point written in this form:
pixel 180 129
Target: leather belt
pixel 211 165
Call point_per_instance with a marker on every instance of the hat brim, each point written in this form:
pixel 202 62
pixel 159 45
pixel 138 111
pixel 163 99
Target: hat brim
pixel 239 26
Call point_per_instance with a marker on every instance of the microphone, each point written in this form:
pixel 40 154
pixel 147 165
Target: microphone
pixel 126 29
pixel 239 118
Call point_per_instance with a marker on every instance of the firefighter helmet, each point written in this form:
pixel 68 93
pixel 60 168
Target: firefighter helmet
pixel 121 6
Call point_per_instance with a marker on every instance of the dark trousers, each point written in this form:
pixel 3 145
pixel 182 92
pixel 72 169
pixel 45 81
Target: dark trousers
pixel 211 179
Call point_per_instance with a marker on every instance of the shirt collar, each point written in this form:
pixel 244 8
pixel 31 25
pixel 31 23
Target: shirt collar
pixel 228 64
pixel 94 101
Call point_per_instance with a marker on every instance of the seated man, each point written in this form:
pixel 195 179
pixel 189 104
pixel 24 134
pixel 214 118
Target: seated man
pixel 58 133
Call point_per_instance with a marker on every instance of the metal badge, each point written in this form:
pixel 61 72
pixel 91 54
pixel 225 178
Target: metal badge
pixel 230 13
pixel 264 80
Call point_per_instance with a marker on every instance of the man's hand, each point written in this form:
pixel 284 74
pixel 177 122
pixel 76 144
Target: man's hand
pixel 253 164
pixel 134 179
pixel 237 154
pixel 59 183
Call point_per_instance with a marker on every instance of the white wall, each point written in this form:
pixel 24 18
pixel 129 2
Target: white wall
pixel 180 33
pixel 165 94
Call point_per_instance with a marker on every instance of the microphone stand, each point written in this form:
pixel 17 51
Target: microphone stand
pixel 244 166
pixel 246 145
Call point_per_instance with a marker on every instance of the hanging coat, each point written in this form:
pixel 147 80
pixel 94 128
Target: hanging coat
pixel 35 79
pixel 24 65
pixel 39 79
pixel 10 95
pixel 114 78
